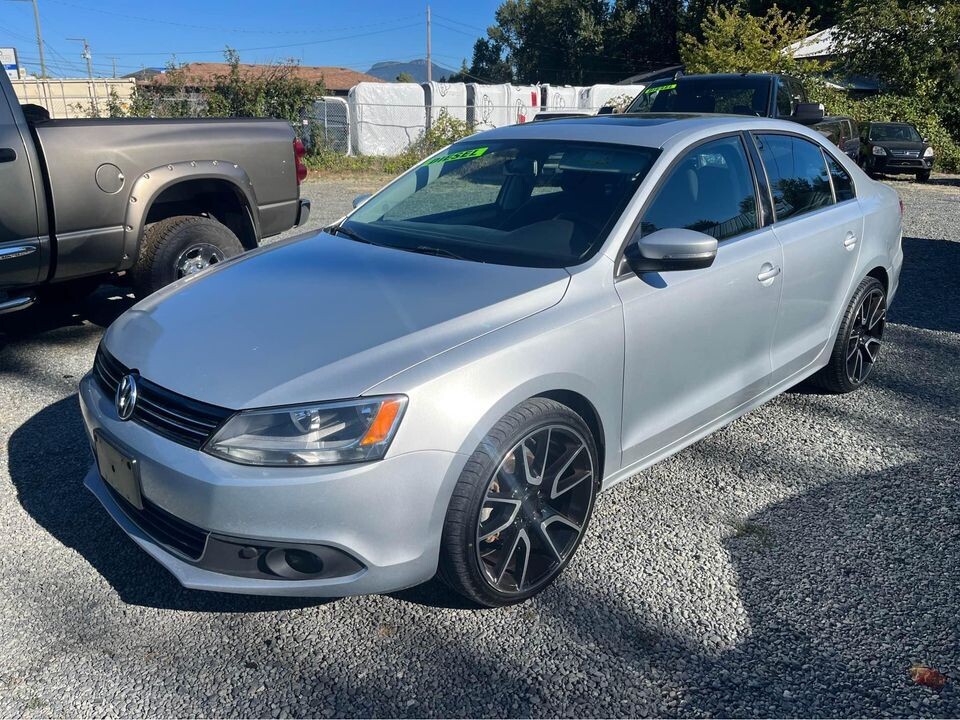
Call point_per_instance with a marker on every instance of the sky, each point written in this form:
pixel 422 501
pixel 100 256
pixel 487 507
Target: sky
pixel 354 34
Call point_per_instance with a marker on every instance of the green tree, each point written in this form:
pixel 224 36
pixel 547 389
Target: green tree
pixel 405 77
pixel 733 41
pixel 911 46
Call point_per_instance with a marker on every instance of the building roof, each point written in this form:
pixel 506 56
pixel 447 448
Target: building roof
pixel 819 45
pixel 204 74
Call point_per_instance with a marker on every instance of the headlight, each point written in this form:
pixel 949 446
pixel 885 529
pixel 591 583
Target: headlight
pixel 928 152
pixel 877 150
pixel 318 434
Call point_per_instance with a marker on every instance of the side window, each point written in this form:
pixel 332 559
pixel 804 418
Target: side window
pixel 842 184
pixel 784 104
pixel 797 173
pixel 709 190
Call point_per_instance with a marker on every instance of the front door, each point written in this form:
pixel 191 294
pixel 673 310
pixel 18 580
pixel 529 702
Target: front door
pixel 698 341
pixel 19 244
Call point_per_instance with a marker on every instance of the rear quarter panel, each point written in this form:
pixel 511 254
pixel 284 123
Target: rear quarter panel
pixel 89 221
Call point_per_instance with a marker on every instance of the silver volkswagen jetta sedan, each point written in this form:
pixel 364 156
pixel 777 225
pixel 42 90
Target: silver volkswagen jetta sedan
pixel 443 381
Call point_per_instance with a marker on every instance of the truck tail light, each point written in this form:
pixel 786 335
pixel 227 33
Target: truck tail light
pixel 298 152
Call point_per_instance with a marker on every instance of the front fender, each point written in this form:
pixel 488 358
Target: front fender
pixel 148 187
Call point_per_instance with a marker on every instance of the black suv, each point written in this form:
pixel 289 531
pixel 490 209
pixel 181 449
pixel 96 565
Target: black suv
pixel 895 148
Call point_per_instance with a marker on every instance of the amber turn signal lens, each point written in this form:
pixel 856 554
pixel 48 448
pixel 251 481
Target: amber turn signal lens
pixel 383 423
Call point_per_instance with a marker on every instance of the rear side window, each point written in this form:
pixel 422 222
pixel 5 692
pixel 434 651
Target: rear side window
pixel 842 184
pixel 709 190
pixel 797 173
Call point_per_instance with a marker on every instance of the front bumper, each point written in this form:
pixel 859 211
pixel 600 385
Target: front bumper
pixel 387 515
pixel 892 165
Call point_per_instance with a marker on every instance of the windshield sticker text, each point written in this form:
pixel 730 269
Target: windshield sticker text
pixel 462 155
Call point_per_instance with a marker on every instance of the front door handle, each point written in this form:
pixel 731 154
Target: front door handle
pixel 850 241
pixel 7 155
pixel 768 272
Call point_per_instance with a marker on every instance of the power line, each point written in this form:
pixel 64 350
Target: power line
pixel 272 47
pixel 156 21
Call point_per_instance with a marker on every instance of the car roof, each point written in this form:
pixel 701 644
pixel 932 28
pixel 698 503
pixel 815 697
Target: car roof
pixel 890 122
pixel 641 129
pixel 717 76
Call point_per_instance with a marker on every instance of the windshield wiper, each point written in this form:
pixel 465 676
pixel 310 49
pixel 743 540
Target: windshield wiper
pixel 341 230
pixel 438 251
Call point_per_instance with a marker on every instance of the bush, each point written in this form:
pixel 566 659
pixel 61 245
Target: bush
pixel 443 131
pixel 914 109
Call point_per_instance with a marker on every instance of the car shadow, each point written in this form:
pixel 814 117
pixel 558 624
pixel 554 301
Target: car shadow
pixel 929 286
pixel 48 458
pixel 100 309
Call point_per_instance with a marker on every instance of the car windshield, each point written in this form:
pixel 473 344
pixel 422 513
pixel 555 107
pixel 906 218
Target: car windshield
pixel 732 95
pixel 539 203
pixel 895 132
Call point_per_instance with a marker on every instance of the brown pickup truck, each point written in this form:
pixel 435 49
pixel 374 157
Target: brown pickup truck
pixel 148 200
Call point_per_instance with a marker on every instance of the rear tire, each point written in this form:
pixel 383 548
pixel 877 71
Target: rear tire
pixel 859 341
pixel 180 246
pixel 521 506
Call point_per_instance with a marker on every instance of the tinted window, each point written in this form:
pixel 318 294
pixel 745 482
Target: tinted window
pixel 894 132
pixel 709 190
pixel 797 174
pixel 842 184
pixel 741 95
pixel 784 105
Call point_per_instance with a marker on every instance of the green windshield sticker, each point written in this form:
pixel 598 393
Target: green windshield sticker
pixel 462 155
pixel 658 88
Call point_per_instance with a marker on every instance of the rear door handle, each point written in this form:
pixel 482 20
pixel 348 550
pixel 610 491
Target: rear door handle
pixel 850 241
pixel 768 272
pixel 7 155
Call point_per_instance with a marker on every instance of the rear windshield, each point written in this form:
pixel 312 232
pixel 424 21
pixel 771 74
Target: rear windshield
pixel 539 203
pixel 895 132
pixel 733 95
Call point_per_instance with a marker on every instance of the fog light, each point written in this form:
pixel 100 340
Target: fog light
pixel 293 563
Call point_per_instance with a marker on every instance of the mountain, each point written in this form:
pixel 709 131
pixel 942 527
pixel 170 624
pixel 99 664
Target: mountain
pixel 415 68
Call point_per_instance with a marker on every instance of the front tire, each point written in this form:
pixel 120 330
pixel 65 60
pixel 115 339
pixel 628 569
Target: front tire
pixel 521 505
pixel 179 246
pixel 859 340
pixel 923 177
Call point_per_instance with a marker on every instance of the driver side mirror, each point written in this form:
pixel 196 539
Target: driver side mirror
pixel 361 199
pixel 671 249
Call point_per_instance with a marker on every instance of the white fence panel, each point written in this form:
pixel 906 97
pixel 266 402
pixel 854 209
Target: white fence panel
pixel 386 117
pixel 560 97
pixel 326 124
pixel 596 96
pixel 448 97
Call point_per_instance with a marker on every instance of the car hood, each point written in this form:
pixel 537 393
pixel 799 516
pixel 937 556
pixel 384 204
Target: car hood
pixel 319 318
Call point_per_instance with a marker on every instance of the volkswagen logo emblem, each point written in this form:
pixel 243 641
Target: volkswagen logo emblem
pixel 126 398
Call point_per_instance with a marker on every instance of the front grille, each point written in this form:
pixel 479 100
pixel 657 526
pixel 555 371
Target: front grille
pixel 166 529
pixel 905 153
pixel 178 418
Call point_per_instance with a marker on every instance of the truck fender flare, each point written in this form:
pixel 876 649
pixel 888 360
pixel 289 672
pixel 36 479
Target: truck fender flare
pixel 150 184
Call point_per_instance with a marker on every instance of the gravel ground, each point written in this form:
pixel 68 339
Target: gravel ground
pixel 795 563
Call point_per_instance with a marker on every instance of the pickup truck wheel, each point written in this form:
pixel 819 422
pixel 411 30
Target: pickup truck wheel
pixel 179 246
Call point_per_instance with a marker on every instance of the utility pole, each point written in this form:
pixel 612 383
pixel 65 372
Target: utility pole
pixel 114 60
pixel 88 56
pixel 36 22
pixel 429 60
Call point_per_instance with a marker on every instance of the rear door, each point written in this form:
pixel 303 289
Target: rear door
pixel 819 225
pixel 20 250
